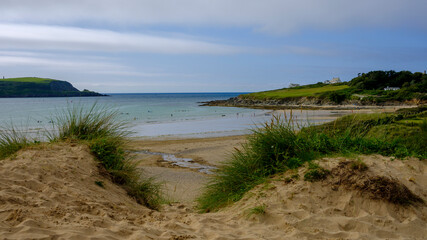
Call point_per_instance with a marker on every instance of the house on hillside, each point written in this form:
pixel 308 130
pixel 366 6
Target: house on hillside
pixel 292 85
pixel 334 80
pixel 391 88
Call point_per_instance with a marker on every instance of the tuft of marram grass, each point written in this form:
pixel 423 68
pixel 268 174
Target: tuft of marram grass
pixel 258 210
pixel 12 140
pixel 78 122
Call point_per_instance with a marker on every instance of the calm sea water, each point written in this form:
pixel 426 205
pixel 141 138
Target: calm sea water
pixel 149 115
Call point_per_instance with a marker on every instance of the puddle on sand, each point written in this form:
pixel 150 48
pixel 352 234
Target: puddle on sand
pixel 181 162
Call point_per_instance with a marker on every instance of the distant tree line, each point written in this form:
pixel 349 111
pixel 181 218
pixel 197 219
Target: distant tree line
pixel 378 80
pixel 372 86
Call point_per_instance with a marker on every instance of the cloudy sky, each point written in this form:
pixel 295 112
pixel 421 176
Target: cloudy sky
pixel 208 45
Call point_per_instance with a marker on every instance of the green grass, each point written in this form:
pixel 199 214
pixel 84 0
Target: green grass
pixel 95 122
pixel 28 80
pixel 100 184
pixel 277 147
pixel 123 171
pixel 315 173
pixel 12 140
pixel 359 165
pixel 258 210
pixel 294 92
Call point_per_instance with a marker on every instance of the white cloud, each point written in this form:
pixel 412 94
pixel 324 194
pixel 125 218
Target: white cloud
pixel 40 37
pixel 57 64
pixel 273 16
pixel 87 65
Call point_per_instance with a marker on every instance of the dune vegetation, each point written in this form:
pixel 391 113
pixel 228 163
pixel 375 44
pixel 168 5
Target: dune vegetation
pixel 282 145
pixel 275 147
pixel 101 130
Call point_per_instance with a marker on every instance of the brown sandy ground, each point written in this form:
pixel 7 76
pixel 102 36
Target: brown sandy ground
pixel 182 184
pixel 49 192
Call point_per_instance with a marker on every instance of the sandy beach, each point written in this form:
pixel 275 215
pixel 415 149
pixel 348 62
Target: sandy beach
pixel 49 192
pixel 184 184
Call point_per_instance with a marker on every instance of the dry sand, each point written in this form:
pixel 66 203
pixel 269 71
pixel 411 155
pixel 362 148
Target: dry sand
pixel 49 192
pixel 184 185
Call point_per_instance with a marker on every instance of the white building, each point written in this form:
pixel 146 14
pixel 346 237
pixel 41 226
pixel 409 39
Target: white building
pixel 334 80
pixel 391 88
pixel 292 85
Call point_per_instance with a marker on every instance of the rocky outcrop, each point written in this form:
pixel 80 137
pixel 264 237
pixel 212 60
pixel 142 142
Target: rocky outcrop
pixel 300 102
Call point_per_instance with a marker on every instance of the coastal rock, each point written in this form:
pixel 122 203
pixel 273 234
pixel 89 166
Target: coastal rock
pixel 301 102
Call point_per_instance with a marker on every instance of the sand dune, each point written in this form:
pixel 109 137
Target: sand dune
pixel 49 192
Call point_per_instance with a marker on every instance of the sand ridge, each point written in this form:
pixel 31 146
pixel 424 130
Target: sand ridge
pixel 49 192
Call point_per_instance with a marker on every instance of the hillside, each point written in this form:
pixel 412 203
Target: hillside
pixel 376 88
pixel 40 87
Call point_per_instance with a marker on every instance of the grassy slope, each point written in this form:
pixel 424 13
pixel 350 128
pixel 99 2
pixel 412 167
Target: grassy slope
pixel 295 92
pixel 29 80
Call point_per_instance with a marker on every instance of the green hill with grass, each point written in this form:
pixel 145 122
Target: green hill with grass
pixel 40 87
pixel 373 88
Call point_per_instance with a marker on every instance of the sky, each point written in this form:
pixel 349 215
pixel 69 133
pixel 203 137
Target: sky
pixel 142 46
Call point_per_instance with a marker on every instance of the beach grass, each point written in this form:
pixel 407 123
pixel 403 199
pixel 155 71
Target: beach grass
pixel 278 146
pixel 123 170
pixel 12 140
pixel 95 122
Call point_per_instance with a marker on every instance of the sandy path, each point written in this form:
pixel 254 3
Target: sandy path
pixel 179 185
pixel 182 184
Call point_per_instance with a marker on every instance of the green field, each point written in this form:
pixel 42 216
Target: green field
pixel 304 91
pixel 28 80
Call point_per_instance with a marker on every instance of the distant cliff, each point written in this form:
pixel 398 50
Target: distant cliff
pixel 40 87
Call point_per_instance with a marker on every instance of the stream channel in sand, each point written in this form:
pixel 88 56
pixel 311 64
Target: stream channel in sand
pixel 180 162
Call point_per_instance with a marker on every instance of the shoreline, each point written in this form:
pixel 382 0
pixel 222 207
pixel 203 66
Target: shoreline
pixel 238 126
pixel 303 103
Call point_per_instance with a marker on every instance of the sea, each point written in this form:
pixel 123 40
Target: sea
pixel 150 115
